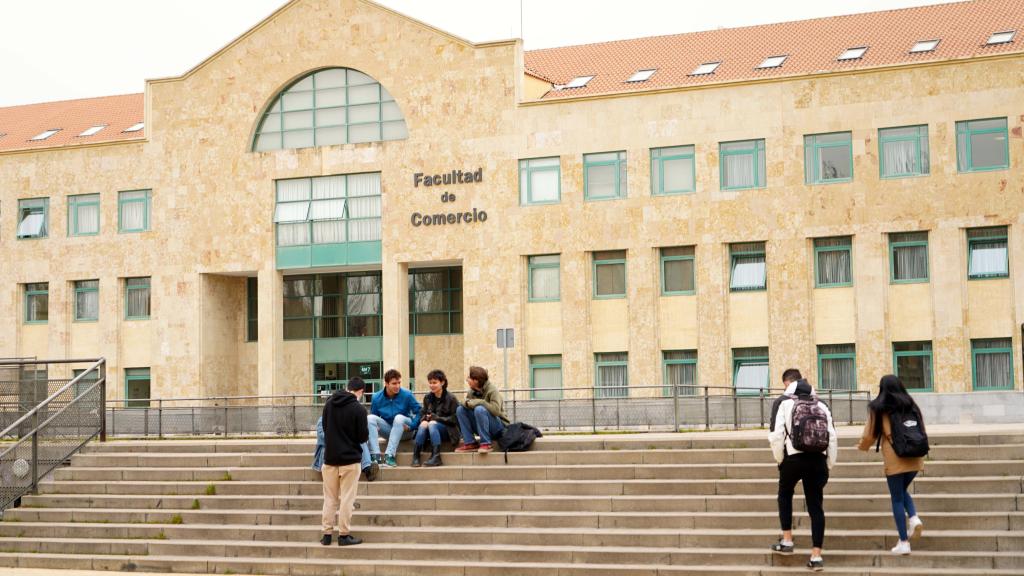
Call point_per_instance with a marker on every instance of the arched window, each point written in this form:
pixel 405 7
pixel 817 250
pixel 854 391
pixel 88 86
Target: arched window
pixel 331 106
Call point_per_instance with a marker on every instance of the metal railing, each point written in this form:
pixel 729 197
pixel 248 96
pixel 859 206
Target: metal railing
pixel 50 432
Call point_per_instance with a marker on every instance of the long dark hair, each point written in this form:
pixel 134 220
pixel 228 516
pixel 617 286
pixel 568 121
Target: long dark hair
pixel 893 398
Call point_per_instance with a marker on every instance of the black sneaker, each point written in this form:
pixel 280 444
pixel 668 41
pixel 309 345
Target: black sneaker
pixel 349 540
pixel 816 565
pixel 372 472
pixel 326 540
pixel 780 548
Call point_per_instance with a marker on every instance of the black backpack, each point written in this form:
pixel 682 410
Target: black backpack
pixel 909 440
pixel 810 425
pixel 517 437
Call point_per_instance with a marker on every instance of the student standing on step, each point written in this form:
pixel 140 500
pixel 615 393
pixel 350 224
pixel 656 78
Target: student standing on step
pixel 344 423
pixel 482 412
pixel 805 446
pixel 894 405
pixel 438 422
pixel 394 414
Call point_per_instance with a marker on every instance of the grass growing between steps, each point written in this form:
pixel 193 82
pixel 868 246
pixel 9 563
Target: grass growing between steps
pixel 227 477
pixel 195 504
pixel 211 490
pixel 177 519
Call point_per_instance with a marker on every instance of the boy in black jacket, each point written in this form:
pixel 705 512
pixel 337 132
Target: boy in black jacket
pixel 344 422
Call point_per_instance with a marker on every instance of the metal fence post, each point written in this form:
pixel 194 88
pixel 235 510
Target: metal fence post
pixel 35 452
pixel 145 421
pixel 225 417
pixel 558 407
pixel 513 403
pixel 593 408
pixel 103 400
pixel 113 419
pixel 735 411
pixel 160 418
pixel 193 409
pixel 761 404
pixel 295 417
pixel 675 408
pixel 707 410
pixel 849 397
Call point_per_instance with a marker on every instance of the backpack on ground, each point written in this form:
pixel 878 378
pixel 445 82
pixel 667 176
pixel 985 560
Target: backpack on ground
pixel 517 437
pixel 809 426
pixel 909 440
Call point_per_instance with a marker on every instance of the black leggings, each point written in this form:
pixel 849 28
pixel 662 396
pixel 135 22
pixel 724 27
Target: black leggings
pixel 812 469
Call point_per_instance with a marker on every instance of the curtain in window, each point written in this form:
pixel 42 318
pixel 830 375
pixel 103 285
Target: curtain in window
pixel 364 207
pixel 328 231
pixel 838 373
pixel 363 230
pixel 833 265
pixel 295 234
pixel 364 185
pixel 910 262
pixel 993 370
pixel 748 272
pixel 293 190
pixel 682 378
pixel 739 170
pixel 38 307
pixel 548 378
pixel 138 302
pixel 88 219
pixel 613 381
pixel 988 258
pixel 543 186
pixel 133 215
pixel 611 279
pixel 601 181
pixel 901 158
pixel 544 283
pixel 87 305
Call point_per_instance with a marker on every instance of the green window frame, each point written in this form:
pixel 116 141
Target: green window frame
pixel 336 209
pixel 903 152
pixel 679 372
pixel 33 218
pixel 833 262
pixel 908 355
pixel 84 215
pixel 837 366
pixel 547 266
pixel 37 303
pixel 824 156
pixel 605 165
pixel 985 135
pixel 541 365
pixel 435 301
pixel 252 310
pixel 742 164
pixel 748 267
pixel 679 163
pixel 992 364
pixel 678 271
pixel 908 257
pixel 137 298
pixel 609 366
pixel 133 387
pixel 750 371
pixel 609 271
pixel 298 300
pixel 133 210
pixel 534 181
pixel 983 253
pixel 87 301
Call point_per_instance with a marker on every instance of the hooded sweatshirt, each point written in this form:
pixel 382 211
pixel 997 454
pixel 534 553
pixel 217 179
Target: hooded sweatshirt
pixel 788 393
pixel 782 445
pixel 344 422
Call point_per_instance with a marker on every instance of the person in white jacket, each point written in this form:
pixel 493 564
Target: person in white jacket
pixel 809 466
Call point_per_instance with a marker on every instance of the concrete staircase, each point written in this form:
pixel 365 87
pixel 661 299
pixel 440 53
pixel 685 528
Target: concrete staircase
pixel 682 504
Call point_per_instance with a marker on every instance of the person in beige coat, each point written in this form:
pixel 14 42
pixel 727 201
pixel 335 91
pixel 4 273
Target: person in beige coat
pixel 899 472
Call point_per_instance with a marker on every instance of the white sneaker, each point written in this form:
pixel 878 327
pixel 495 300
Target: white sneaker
pixel 902 548
pixel 915 527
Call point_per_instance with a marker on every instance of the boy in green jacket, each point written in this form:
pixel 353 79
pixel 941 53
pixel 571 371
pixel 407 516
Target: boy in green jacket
pixel 482 412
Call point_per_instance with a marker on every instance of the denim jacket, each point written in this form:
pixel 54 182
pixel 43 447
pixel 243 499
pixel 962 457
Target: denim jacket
pixel 318 454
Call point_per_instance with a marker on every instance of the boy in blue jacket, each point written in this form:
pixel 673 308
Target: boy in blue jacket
pixel 395 414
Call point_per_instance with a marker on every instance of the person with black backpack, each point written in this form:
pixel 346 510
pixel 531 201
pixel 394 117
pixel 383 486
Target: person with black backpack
pixel 805 446
pixel 895 424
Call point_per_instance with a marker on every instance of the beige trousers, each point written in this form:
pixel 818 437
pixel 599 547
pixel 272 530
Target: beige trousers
pixel 340 483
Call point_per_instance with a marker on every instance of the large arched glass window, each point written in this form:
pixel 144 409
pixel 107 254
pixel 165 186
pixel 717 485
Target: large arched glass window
pixel 332 106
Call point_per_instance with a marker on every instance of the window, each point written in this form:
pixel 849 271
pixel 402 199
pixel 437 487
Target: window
pixel 332 106
pixel 86 382
pixel 924 46
pixel 986 253
pixel 677 271
pixel 837 367
pixel 912 362
pixel 749 370
pixel 853 53
pixel 908 257
pixel 706 68
pixel 833 262
pixel 982 145
pixel 772 62
pixel 611 373
pixel 92 130
pixel 87 300
pixel 135 127
pixel 604 176
pixel 46 134
pixel 136 388
pixel 298 303
pixel 435 301
pixel 328 210
pixel 540 181
pixel 748 270
pixel 136 298
pixel 672 170
pixel 332 306
pixel 37 303
pixel 742 165
pixel 610 274
pixel 252 310
pixel 33 217
pixel 1001 37
pixel 679 372
pixel 133 211
pixel 992 362
pixel 362 307
pixel 903 151
pixel 84 215
pixel 828 158
pixel 578 82
pixel 546 377
pixel 544 278
pixel 642 75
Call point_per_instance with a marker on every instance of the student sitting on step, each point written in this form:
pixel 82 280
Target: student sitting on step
pixel 395 415
pixel 344 425
pixel 438 422
pixel 482 412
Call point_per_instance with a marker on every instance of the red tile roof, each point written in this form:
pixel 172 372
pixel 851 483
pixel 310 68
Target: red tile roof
pixel 19 124
pixel 812 46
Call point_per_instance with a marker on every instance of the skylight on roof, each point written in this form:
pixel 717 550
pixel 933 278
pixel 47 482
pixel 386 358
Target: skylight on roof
pixel 135 127
pixel 772 62
pixel 45 135
pixel 642 75
pixel 1002 37
pixel 853 53
pixel 924 46
pixel 578 82
pixel 92 130
pixel 705 68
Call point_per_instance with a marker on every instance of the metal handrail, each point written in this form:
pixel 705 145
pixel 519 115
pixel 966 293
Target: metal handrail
pixel 50 419
pixel 75 380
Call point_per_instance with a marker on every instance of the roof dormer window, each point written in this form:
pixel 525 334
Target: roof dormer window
pixel 772 62
pixel 642 75
pixel 135 127
pixel 924 46
pixel 45 135
pixel 853 53
pixel 92 130
pixel 1004 37
pixel 578 82
pixel 705 68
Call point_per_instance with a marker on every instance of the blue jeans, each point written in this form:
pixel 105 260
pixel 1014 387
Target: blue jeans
pixel 902 503
pixel 400 429
pixel 478 420
pixel 435 430
pixel 365 460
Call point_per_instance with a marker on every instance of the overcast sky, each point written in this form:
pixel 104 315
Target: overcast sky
pixel 64 49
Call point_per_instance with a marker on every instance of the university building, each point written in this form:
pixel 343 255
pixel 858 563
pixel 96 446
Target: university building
pixel 344 189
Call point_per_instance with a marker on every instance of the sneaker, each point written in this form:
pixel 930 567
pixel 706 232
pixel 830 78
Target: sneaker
pixel 372 472
pixel 326 540
pixel 816 564
pixel 783 548
pixel 377 458
pixel 467 447
pixel 389 462
pixel 485 448
pixel 902 548
pixel 915 527
pixel 349 540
